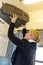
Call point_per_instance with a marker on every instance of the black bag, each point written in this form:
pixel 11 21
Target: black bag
pixel 8 9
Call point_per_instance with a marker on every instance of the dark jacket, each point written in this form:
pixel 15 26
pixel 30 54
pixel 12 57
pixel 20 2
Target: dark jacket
pixel 26 49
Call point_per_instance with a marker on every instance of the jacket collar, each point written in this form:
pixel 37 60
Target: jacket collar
pixel 31 41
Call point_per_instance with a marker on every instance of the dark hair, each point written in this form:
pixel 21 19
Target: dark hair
pixel 24 31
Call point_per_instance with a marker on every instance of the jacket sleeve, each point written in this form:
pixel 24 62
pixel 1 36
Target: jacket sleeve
pixel 12 37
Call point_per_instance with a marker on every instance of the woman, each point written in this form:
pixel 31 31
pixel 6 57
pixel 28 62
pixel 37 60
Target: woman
pixel 26 46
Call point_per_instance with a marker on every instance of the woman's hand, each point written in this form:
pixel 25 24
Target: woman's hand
pixel 14 18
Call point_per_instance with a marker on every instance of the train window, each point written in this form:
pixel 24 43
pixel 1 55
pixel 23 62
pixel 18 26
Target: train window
pixel 37 63
pixel 39 56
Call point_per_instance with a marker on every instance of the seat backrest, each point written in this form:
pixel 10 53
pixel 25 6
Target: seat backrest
pixel 5 61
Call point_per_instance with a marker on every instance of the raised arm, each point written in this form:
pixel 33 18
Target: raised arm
pixel 11 35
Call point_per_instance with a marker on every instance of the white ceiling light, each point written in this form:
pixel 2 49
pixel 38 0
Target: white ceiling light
pixel 30 1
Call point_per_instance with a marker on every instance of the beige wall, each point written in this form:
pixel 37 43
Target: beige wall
pixel 35 20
